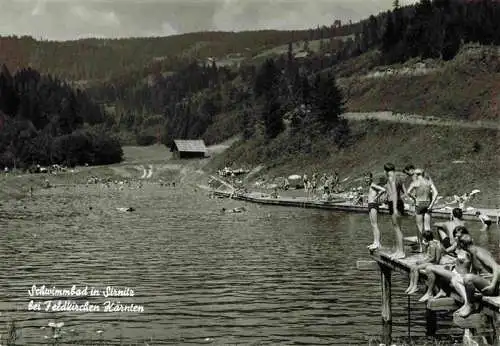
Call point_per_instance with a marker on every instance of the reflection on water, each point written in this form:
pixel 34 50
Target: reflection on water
pixel 272 275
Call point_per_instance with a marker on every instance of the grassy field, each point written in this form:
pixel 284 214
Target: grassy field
pixel 459 160
pixel 467 87
pixel 158 158
pixel 314 46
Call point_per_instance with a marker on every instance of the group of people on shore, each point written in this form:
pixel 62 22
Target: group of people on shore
pixel 326 183
pixel 474 269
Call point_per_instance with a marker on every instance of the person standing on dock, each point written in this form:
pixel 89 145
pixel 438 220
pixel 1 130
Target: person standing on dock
pixel 395 203
pixel 374 193
pixel 488 285
pixel 425 197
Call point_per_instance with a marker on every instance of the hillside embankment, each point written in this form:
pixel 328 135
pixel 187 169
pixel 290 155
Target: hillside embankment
pixel 458 159
pixel 442 116
pixel 466 88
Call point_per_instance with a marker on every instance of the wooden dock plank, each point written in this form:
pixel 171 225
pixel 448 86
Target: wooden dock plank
pixel 404 265
pixel 442 304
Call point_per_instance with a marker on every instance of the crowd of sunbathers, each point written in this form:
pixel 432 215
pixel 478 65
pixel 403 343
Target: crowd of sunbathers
pixel 474 269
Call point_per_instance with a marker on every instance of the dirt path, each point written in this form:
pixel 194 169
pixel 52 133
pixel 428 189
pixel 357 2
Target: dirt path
pixel 419 120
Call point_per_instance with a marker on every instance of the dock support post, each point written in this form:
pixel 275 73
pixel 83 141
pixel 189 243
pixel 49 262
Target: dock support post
pixel 385 280
pixel 431 322
pixel 492 321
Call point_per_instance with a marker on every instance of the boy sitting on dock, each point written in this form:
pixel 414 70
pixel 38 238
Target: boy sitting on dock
pixel 453 276
pixel 487 284
pixel 432 256
pixel 374 193
pixel 446 229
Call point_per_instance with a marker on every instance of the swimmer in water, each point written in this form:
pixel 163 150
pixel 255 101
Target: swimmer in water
pixel 234 210
pixel 485 220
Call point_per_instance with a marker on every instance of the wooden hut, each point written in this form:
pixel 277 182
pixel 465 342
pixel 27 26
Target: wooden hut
pixel 186 149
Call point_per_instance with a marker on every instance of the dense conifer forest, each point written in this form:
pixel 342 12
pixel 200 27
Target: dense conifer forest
pixel 44 121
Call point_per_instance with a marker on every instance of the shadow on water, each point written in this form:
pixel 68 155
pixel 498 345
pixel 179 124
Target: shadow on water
pixel 271 275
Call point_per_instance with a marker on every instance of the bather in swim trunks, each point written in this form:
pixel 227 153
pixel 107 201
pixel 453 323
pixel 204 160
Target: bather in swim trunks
pixel 373 206
pixel 400 207
pixel 422 207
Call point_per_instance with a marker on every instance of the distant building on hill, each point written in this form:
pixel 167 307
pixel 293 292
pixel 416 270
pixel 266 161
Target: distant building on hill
pixel 187 148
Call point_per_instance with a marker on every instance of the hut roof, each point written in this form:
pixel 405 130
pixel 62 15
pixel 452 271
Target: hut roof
pixel 188 145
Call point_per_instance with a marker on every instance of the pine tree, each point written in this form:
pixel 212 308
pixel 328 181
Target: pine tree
pixel 328 102
pixel 272 118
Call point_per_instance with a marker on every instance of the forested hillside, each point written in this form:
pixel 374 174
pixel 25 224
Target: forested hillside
pixel 100 59
pixel 202 99
pixel 163 88
pixel 42 121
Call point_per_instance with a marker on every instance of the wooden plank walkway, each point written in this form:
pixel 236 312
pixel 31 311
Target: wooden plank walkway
pixel 483 322
pixel 338 205
pixel 404 265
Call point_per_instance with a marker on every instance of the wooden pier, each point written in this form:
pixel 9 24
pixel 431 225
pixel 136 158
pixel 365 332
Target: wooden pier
pixel 482 326
pixel 336 204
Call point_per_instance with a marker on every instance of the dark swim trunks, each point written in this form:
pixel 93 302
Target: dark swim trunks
pixel 400 207
pixel 487 222
pixel 373 206
pixel 446 242
pixel 422 208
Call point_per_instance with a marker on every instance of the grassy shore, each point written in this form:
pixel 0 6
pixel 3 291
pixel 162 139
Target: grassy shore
pixel 459 160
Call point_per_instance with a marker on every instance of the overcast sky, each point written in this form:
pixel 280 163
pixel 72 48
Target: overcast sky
pixel 71 19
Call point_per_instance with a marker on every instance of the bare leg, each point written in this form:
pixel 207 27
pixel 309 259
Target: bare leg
pixel 431 281
pixel 432 271
pixel 396 221
pixel 470 283
pixel 412 280
pixel 414 288
pixel 419 218
pixel 416 275
pixel 376 231
pixel 427 222
pixel 440 293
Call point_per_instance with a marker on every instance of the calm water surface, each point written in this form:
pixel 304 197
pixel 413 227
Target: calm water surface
pixel 272 275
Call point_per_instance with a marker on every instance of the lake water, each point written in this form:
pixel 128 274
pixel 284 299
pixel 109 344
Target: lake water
pixel 272 275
